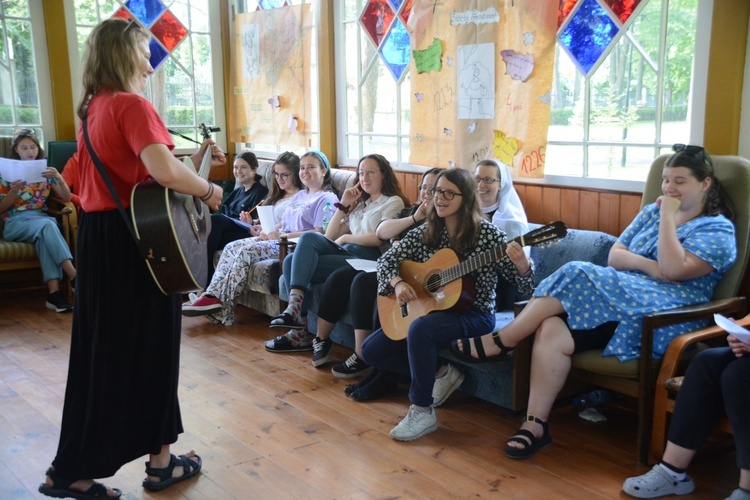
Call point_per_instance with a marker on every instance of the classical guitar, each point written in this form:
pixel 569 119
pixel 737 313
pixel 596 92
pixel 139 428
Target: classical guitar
pixel 437 284
pixel 176 227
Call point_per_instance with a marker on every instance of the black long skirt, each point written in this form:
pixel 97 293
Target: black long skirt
pixel 121 395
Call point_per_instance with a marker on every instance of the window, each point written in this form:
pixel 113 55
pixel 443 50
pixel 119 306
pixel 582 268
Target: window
pixel 618 103
pixel 187 84
pixel 373 84
pixel 23 68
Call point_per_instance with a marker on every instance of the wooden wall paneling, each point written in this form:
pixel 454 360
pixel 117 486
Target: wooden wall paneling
pixel 521 190
pixel 550 204
pixel 630 205
pixel 411 186
pixel 588 211
pixel 570 200
pixel 609 212
pixel 533 204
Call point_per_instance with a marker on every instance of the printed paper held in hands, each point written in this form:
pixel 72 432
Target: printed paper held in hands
pixel 18 170
pixel 267 222
pixel 742 334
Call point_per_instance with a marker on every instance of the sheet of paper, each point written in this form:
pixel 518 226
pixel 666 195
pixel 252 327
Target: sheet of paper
pixel 742 334
pixel 238 222
pixel 368 266
pixel 265 214
pixel 18 170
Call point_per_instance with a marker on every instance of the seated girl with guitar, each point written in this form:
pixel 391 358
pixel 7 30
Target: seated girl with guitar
pixel 454 226
pixel 351 234
pixel 354 290
pixel 303 211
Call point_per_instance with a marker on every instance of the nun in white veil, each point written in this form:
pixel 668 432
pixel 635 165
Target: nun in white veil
pixel 510 215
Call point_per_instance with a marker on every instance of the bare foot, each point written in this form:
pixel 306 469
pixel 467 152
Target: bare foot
pixel 81 486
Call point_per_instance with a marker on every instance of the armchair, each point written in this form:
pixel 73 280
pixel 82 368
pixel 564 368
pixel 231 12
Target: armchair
pixel 637 378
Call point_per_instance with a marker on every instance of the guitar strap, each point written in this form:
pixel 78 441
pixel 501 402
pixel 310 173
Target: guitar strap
pixel 146 250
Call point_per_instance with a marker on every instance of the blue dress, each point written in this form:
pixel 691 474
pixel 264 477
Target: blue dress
pixel 592 295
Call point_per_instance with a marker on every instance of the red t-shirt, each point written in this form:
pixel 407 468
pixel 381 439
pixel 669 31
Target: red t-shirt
pixel 120 126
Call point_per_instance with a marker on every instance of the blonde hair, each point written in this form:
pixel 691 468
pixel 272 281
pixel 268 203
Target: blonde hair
pixel 110 58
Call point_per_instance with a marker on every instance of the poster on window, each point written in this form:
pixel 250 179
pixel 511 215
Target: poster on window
pixel 481 78
pixel 270 76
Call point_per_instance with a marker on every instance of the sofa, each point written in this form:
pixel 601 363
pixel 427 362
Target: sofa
pixel 262 291
pixel 505 384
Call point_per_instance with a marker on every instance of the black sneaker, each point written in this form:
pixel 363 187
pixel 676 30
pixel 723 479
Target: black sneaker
pixel 351 368
pixel 321 350
pixel 283 343
pixel 56 302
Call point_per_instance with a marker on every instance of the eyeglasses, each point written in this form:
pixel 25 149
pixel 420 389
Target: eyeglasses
pixel 486 180
pixel 694 151
pixel 284 177
pixel 446 195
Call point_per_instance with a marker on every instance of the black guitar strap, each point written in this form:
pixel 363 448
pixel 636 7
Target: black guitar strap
pixel 146 250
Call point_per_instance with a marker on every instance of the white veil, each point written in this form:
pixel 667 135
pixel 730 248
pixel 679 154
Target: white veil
pixel 510 215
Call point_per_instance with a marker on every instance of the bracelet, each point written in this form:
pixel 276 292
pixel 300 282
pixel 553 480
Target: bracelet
pixel 526 274
pixel 396 283
pixel 209 193
pixel 414 219
pixel 341 207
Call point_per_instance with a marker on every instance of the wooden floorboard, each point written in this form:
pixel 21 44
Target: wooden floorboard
pixel 272 426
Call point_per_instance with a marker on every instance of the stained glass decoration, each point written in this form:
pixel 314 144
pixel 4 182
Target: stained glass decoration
pixel 146 11
pixel 623 9
pixel 562 12
pixel 396 49
pixel 406 11
pixel 589 32
pixel 169 31
pixel 272 4
pixel 123 13
pixel 158 53
pixel 396 4
pixel 376 20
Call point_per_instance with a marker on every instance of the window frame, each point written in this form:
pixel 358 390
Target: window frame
pixel 217 69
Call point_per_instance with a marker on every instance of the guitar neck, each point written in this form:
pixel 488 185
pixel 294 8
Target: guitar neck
pixel 205 168
pixel 473 263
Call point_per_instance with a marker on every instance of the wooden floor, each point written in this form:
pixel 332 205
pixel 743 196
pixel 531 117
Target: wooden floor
pixel 272 426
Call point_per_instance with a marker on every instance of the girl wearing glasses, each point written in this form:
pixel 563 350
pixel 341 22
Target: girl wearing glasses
pixel 243 199
pixel 301 212
pixel 351 234
pixel 671 255
pixel 23 206
pixel 348 289
pixel 455 222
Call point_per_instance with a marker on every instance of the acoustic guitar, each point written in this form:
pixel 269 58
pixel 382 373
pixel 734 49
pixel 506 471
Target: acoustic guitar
pixel 437 284
pixel 176 227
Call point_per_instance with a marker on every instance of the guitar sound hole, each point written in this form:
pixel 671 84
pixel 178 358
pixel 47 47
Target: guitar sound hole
pixel 432 284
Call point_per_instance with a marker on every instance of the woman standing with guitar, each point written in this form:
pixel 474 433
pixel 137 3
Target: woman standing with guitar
pixel 121 394
pixel 455 223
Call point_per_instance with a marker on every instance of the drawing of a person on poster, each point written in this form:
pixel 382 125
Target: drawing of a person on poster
pixel 476 82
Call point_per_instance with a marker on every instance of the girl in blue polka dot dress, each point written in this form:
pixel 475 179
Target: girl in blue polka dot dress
pixel 672 255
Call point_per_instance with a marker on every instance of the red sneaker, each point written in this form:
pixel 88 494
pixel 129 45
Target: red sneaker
pixel 204 305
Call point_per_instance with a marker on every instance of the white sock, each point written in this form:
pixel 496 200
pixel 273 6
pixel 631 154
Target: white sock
pixel 678 476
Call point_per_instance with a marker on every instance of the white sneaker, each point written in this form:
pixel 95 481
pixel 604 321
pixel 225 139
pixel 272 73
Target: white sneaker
pixel 417 423
pixel 657 483
pixel 446 384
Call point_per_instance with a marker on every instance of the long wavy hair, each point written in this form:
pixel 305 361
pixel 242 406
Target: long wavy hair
pixel 470 214
pixel 390 185
pixel 323 161
pixel 25 133
pixel 699 163
pixel 110 58
pixel 290 161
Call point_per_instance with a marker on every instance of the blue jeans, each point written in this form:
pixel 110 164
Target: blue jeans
pixel 417 355
pixel 32 226
pixel 315 257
